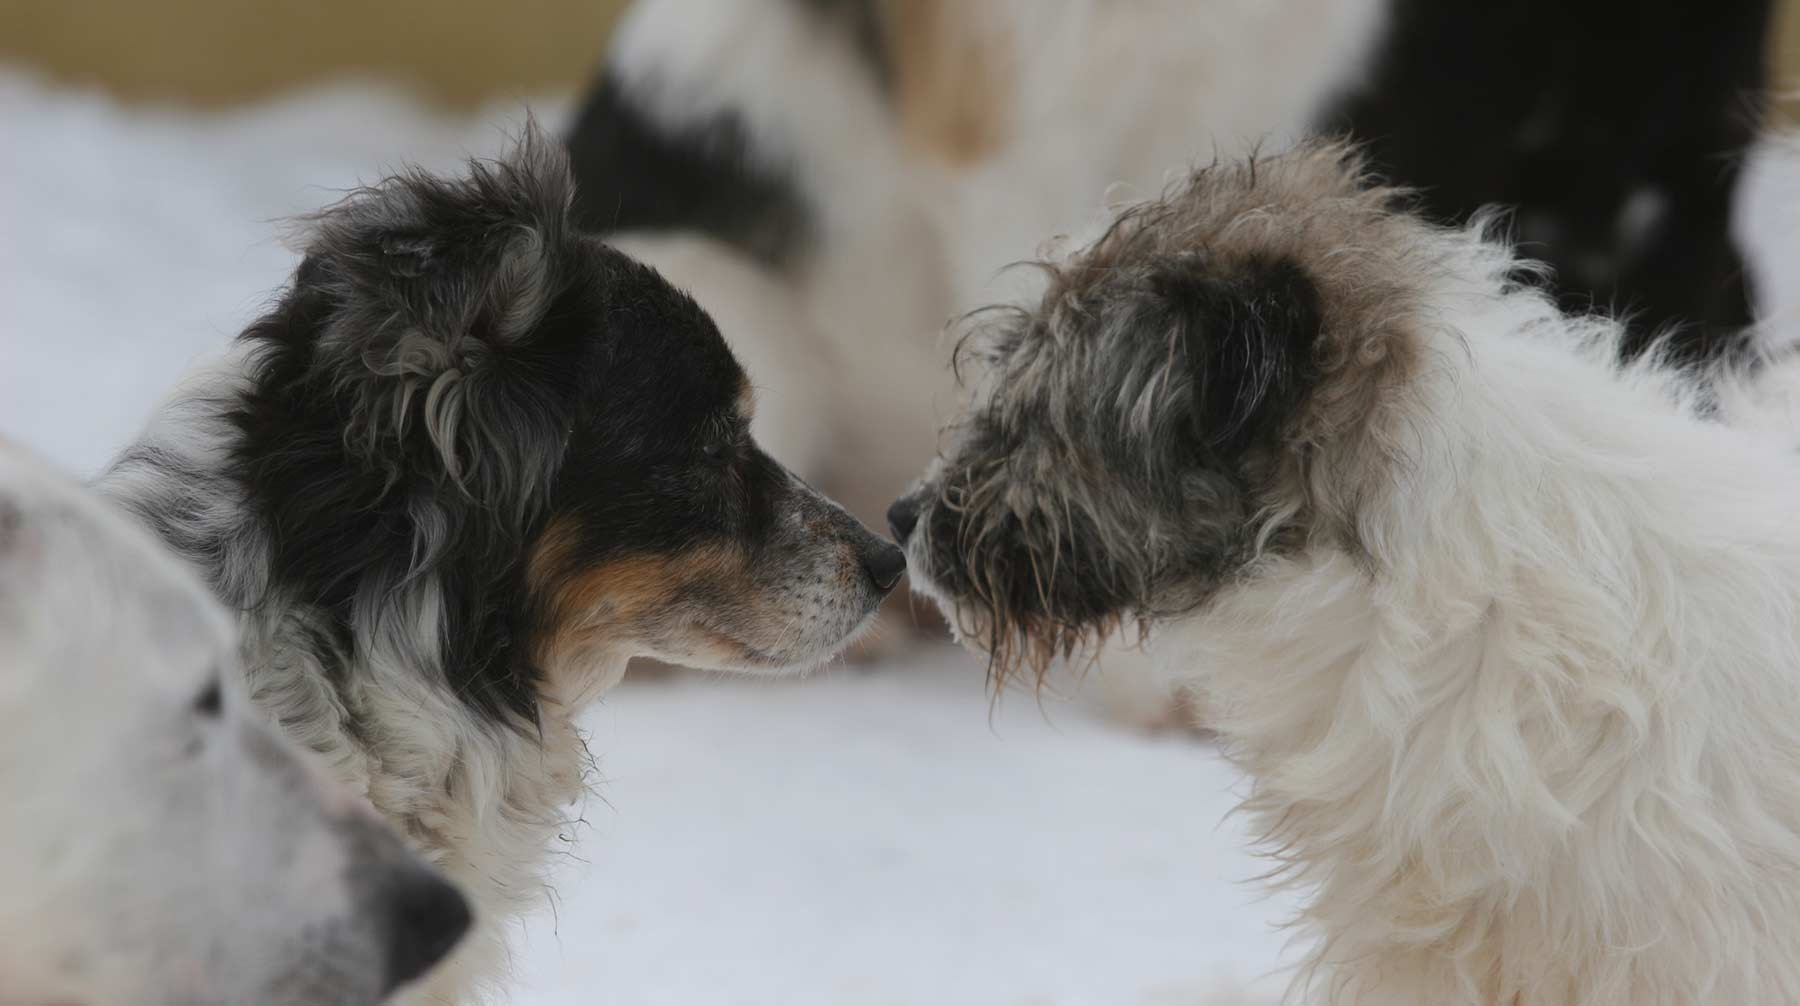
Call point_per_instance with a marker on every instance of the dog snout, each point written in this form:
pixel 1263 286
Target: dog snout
pixel 903 516
pixel 424 917
pixel 884 562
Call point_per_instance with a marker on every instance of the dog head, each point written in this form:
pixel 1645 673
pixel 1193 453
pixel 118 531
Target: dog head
pixel 1209 380
pixel 159 844
pixel 503 449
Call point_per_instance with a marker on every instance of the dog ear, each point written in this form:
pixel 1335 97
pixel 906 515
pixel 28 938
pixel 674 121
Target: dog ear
pixel 428 290
pixel 1244 343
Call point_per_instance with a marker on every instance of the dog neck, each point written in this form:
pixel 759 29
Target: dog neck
pixel 1511 722
pixel 577 680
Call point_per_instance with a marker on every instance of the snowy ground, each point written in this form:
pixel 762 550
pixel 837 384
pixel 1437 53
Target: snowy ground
pixel 867 837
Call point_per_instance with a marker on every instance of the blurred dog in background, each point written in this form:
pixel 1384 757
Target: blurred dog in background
pixel 160 845
pixel 837 179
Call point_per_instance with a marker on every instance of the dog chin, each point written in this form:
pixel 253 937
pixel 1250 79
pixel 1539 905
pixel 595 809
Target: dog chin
pixel 807 663
pixel 727 655
pixel 954 612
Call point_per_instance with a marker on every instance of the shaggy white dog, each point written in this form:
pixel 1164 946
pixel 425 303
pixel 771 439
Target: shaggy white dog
pixel 158 845
pixel 1504 633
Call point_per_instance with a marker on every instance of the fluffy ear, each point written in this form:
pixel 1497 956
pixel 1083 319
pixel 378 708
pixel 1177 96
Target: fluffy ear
pixel 424 293
pixel 1244 338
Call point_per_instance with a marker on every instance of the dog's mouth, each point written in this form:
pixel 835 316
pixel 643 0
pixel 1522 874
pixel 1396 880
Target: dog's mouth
pixel 967 617
pixel 1021 635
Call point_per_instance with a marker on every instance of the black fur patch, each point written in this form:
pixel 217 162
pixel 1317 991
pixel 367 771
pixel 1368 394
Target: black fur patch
pixel 632 173
pixel 862 21
pixel 1614 126
pixel 342 523
pixel 565 354
pixel 1054 550
pixel 1249 340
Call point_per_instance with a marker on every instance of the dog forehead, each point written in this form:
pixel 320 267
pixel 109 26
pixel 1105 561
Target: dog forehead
pixel 665 363
pixel 85 592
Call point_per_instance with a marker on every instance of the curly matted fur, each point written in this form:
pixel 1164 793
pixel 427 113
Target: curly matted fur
pixel 467 466
pixel 1502 630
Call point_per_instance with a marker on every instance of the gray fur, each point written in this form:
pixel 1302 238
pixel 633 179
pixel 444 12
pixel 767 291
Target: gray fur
pixel 1154 422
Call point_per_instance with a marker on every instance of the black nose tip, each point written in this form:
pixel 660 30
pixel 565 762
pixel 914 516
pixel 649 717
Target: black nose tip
pixel 885 564
pixel 903 516
pixel 426 917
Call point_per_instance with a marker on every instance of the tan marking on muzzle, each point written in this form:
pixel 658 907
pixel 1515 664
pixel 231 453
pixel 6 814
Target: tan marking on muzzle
pixel 593 611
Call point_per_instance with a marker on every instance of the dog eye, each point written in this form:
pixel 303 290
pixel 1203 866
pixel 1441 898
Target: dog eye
pixel 717 451
pixel 210 704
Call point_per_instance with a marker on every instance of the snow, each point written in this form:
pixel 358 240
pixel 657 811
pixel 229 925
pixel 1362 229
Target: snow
pixel 869 836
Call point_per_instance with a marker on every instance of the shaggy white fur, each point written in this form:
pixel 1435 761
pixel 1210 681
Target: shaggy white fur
pixel 1502 631
pixel 1550 753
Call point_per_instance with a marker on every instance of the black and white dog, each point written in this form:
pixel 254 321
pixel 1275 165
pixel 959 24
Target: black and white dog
pixel 468 465
pixel 836 179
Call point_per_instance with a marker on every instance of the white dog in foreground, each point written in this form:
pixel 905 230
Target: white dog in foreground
pixel 157 846
pixel 1506 636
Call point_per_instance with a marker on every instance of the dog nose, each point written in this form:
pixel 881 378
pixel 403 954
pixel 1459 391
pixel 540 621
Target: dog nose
pixel 425 919
pixel 885 564
pixel 903 516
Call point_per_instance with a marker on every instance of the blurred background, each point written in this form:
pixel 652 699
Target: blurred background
pixel 457 53
pixel 215 53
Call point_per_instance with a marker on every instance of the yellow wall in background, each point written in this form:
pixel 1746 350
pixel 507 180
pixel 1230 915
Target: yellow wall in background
pixel 216 52
pixel 1787 58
